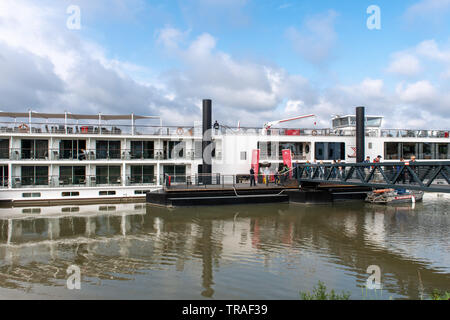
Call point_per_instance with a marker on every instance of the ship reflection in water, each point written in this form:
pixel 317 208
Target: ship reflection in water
pixel 134 251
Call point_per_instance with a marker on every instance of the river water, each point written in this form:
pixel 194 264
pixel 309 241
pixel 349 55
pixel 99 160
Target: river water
pixel 134 251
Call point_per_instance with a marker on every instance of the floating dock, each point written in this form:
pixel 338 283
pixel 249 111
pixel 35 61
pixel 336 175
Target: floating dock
pixel 210 195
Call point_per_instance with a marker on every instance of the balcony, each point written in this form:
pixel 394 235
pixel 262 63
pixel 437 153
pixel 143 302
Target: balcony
pixel 79 181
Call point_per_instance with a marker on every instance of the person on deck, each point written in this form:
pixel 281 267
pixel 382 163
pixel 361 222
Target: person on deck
pixel 82 155
pixel 252 177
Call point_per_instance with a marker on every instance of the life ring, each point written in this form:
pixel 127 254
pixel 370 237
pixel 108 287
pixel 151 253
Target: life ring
pixel 314 132
pixel 23 126
pixel 180 131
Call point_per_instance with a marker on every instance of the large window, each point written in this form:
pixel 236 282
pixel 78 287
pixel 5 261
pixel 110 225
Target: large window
pixel 409 149
pixel 427 151
pixel 4 148
pixel 177 173
pixel 422 151
pixel 72 175
pixel 108 175
pixel 107 149
pixel 442 151
pixel 34 149
pixel 34 175
pixel 174 149
pixel 330 151
pixel 70 149
pixel 392 150
pixel 142 150
pixel 4 176
pixel 142 174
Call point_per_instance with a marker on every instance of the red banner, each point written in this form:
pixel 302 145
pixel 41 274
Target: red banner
pixel 255 162
pixel 287 160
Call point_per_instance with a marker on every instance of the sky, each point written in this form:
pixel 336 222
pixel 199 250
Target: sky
pixel 258 60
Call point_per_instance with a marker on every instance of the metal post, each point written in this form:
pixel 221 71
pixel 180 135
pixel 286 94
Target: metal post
pixel 360 134
pixel 99 123
pixel 206 141
pixel 29 121
pixel 132 124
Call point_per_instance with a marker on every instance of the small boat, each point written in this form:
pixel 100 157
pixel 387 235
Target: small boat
pixel 392 196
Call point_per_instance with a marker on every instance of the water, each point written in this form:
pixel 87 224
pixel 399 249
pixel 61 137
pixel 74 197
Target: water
pixel 132 251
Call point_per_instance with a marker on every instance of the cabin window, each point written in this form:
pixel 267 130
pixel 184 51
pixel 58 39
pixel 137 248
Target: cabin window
pixel 409 149
pixel 34 149
pixel 177 173
pixel 330 151
pixel 108 174
pixel 443 151
pixel 4 148
pixel 142 150
pixel 107 193
pixel 243 155
pixel 72 175
pixel 31 194
pixel 174 149
pixel 34 175
pixel 141 191
pixel 70 149
pixel 142 174
pixel 31 210
pixel 70 194
pixel 392 150
pixel 70 209
pixel 107 149
pixel 107 208
pixel 4 174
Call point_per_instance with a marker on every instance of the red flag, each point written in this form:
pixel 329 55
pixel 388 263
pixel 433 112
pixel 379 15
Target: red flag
pixel 287 160
pixel 255 162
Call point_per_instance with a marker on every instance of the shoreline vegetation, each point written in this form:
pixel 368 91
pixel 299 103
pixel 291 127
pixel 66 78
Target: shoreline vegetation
pixel 319 292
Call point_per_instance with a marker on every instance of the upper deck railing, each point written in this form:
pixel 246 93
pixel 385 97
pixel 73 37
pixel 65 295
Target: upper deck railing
pixel 46 128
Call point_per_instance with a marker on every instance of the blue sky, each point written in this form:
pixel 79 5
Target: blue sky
pixel 257 60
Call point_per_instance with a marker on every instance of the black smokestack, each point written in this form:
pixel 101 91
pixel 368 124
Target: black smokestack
pixel 360 134
pixel 206 141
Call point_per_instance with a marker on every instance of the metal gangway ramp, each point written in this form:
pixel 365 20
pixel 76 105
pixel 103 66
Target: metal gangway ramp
pixel 425 176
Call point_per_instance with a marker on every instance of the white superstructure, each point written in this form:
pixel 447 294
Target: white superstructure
pixel 48 158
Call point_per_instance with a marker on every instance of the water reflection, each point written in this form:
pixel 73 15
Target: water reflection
pixel 238 252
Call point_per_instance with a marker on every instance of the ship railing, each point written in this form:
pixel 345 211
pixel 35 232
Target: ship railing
pixel 277 157
pixel 46 128
pixel 43 153
pixel 64 181
pixel 405 133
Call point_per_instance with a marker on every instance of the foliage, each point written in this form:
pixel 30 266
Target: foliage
pixel 437 295
pixel 320 293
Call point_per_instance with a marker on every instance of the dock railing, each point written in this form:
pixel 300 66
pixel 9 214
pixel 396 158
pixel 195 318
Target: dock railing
pixel 224 181
pixel 433 176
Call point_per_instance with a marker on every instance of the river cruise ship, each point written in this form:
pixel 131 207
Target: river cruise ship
pixel 55 158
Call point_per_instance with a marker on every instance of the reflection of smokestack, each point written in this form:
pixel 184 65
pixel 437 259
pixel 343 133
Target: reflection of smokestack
pixel 207 125
pixel 360 134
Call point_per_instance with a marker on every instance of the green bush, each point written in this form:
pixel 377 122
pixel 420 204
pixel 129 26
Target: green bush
pixel 437 295
pixel 320 293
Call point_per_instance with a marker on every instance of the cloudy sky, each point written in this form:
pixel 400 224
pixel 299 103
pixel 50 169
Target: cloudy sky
pixel 258 60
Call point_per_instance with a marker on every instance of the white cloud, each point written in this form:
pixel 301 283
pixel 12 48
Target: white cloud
pixel 404 64
pixel 430 49
pixel 420 91
pixel 429 10
pixel 316 38
pixel 45 66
